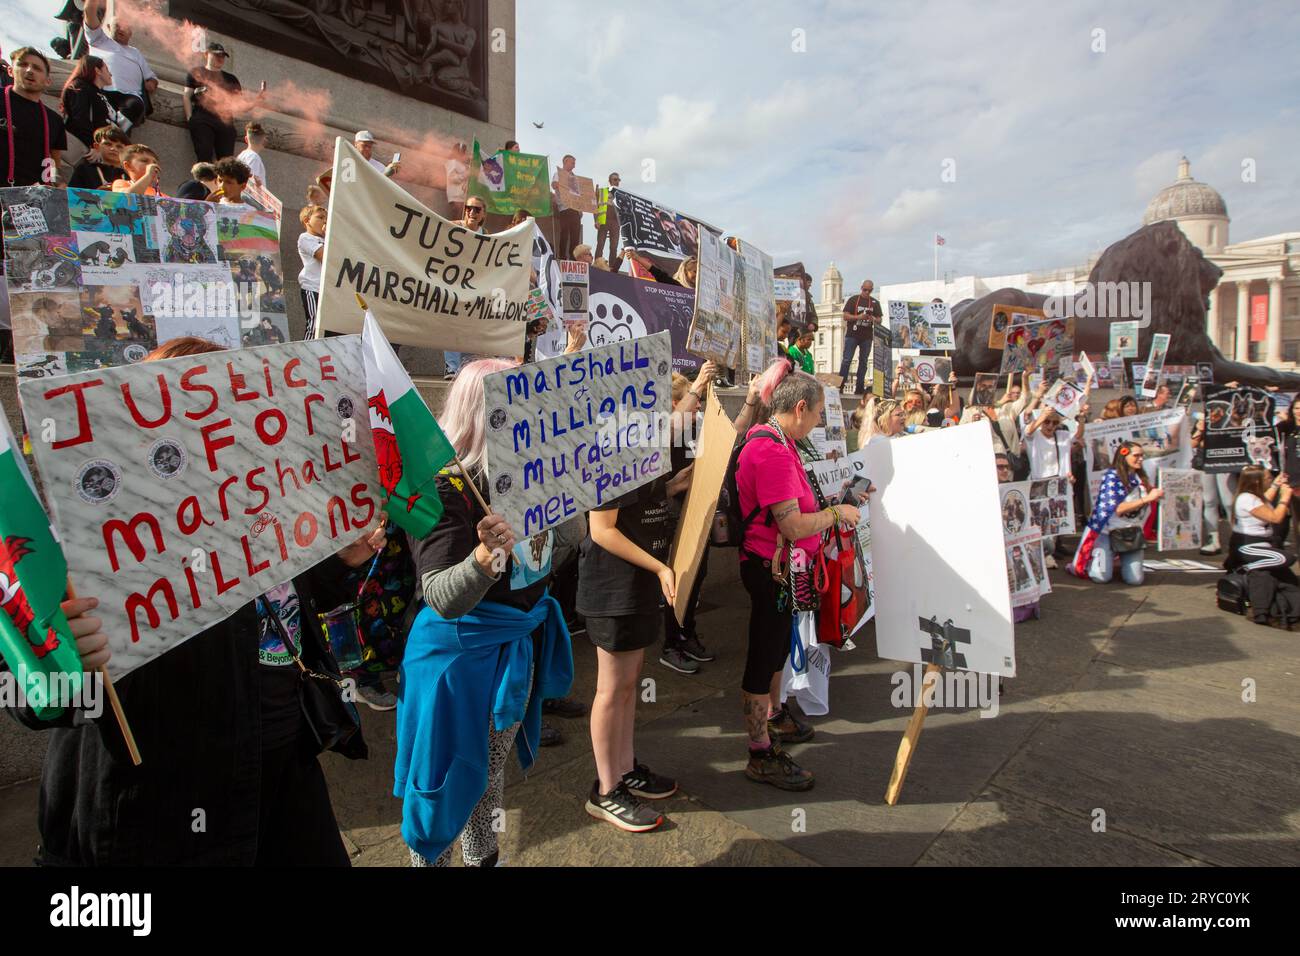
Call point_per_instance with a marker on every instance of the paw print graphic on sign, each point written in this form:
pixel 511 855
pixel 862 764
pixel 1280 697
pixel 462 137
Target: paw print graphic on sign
pixel 612 320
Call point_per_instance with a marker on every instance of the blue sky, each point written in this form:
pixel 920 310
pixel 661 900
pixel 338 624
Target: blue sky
pixel 838 152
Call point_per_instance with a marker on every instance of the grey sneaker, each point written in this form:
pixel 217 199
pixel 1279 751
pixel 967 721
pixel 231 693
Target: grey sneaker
pixel 377 697
pixel 621 808
pixel 674 658
pixel 696 651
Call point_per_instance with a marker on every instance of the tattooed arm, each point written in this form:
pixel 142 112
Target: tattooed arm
pixel 794 524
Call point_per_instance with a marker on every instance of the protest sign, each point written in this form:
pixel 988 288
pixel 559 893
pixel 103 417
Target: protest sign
pixel 98 279
pixel 1039 346
pixel 646 226
pixel 428 281
pixel 713 454
pixel 940 559
pixel 184 488
pixel 256 194
pixel 1155 365
pixel 882 371
pixel 755 307
pixel 828 436
pixel 1124 339
pixel 845 481
pixel 905 366
pixel 1117 377
pixel 1005 316
pixel 716 326
pixel 539 310
pixel 830 378
pixel 621 309
pixel 1205 372
pixel 932 369
pixel 1174 377
pixel 576 192
pixel 1239 428
pixel 1027 579
pixel 570 433
pixel 547 270
pixel 985 389
pixel 507 181
pixel 1164 436
pixel 921 325
pixel 1047 505
pixel 1179 526
pixel 574 289
pixel 1065 397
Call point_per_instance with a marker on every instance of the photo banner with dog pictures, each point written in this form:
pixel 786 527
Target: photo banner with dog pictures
pixel 716 327
pixel 182 489
pixel 428 282
pixel 1239 429
pixel 828 436
pixel 568 434
pixel 1179 522
pixel 1027 578
pixel 1047 505
pixel 1046 347
pixel 921 325
pixel 99 279
pixel 756 308
pixel 507 181
pixel 647 227
pixel 1005 316
pixel 1165 438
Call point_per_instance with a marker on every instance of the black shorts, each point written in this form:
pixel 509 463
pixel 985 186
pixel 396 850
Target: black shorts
pixel 627 632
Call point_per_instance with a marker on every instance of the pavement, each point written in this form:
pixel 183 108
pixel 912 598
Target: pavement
pixel 1146 728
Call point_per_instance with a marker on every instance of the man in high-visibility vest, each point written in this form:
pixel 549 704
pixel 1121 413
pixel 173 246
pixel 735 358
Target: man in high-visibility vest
pixel 607 223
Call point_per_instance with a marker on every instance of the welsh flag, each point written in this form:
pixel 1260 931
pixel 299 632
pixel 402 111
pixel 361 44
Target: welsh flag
pixel 409 446
pixel 35 640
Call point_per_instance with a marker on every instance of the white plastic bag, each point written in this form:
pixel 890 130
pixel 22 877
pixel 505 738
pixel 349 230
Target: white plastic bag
pixel 810 685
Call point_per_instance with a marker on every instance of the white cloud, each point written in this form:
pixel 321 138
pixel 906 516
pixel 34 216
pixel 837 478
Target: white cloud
pixel 911 207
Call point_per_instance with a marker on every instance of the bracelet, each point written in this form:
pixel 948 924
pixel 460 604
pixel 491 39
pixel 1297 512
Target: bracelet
pixel 750 404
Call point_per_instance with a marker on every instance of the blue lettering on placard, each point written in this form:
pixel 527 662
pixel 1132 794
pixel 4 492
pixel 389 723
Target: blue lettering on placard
pixel 557 508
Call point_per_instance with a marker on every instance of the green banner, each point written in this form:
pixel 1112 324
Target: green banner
pixel 507 181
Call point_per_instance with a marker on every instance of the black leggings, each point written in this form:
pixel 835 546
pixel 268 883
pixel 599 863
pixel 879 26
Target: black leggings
pixel 212 138
pixel 769 629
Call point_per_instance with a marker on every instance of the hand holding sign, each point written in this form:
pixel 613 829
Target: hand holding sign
pixel 92 642
pixel 494 537
pixel 365 547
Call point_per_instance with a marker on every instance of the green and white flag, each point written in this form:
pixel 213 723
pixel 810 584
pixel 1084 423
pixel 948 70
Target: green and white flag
pixel 410 448
pixel 35 640
pixel 507 181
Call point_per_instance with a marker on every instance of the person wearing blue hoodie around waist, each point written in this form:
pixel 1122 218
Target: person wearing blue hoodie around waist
pixel 488 646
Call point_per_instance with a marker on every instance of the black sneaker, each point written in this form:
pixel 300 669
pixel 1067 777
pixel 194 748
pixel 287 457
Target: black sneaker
pixel 677 660
pixel 776 767
pixel 696 651
pixel 786 728
pixel 622 809
pixel 550 737
pixel 648 785
pixel 564 707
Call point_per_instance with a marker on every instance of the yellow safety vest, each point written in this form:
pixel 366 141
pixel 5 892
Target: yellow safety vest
pixel 602 204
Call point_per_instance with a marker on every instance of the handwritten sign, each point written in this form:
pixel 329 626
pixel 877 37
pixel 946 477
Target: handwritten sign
pixel 569 433
pixel 576 192
pixel 182 489
pixel 428 281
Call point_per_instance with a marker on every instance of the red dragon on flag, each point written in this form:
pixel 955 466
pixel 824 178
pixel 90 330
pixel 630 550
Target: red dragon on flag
pixel 12 599
pixel 387 455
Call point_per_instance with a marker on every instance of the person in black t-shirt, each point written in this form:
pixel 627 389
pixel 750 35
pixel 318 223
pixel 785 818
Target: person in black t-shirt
pixel 861 312
pixel 102 166
pixel 38 134
pixel 212 97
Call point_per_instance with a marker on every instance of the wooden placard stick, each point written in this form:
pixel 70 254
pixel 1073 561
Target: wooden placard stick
pixel 907 746
pixel 114 702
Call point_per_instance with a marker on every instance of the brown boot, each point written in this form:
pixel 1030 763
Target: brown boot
pixel 776 767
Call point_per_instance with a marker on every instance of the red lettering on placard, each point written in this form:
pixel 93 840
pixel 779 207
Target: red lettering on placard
pixel 280 472
pixel 136 601
pixel 359 501
pixel 222 584
pixel 327 369
pixel 164 395
pixel 255 486
pixel 289 366
pixel 264 433
pixel 304 538
pixel 188 525
pixel 307 402
pixel 188 385
pixel 343 514
pixel 131 537
pixel 84 433
pixel 350 458
pixel 236 383
pixel 248 559
pixel 212 444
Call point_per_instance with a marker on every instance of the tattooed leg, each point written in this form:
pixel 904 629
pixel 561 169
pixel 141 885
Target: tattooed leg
pixel 756 719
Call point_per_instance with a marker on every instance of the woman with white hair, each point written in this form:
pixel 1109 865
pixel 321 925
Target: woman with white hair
pixel 782 528
pixel 489 645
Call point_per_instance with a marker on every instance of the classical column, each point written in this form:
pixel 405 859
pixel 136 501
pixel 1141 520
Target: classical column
pixel 1274 352
pixel 1212 318
pixel 1243 321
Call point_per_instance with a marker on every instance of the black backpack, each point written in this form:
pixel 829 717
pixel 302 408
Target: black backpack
pixel 729 525
pixel 1231 593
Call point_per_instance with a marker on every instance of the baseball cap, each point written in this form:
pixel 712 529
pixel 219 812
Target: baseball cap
pixel 218 48
pixel 364 136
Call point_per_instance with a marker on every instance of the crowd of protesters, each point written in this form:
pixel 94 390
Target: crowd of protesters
pixel 483 649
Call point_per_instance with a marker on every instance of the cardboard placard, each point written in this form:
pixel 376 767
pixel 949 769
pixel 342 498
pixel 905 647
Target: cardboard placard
pixel 183 489
pixel 567 434
pixel 1003 317
pixel 713 453
pixel 576 192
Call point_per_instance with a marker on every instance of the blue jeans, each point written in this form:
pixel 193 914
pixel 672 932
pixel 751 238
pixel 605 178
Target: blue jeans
pixel 454 361
pixel 863 348
pixel 1101 568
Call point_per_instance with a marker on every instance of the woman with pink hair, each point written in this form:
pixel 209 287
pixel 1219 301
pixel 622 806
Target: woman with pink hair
pixel 489 645
pixel 782 528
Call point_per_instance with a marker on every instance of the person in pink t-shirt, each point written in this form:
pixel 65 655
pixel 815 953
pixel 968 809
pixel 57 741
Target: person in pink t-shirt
pixel 774 490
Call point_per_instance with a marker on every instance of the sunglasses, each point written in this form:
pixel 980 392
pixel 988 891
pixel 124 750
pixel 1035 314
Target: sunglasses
pixel 478 209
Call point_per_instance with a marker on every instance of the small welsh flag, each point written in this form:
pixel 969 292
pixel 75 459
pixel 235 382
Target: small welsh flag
pixel 35 640
pixel 410 448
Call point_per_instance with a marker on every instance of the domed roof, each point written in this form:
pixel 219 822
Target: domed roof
pixel 1186 197
pixel 832 273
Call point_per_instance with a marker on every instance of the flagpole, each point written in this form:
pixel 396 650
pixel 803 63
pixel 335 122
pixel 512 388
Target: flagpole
pixel 936 257
pixel 487 509
pixel 114 702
